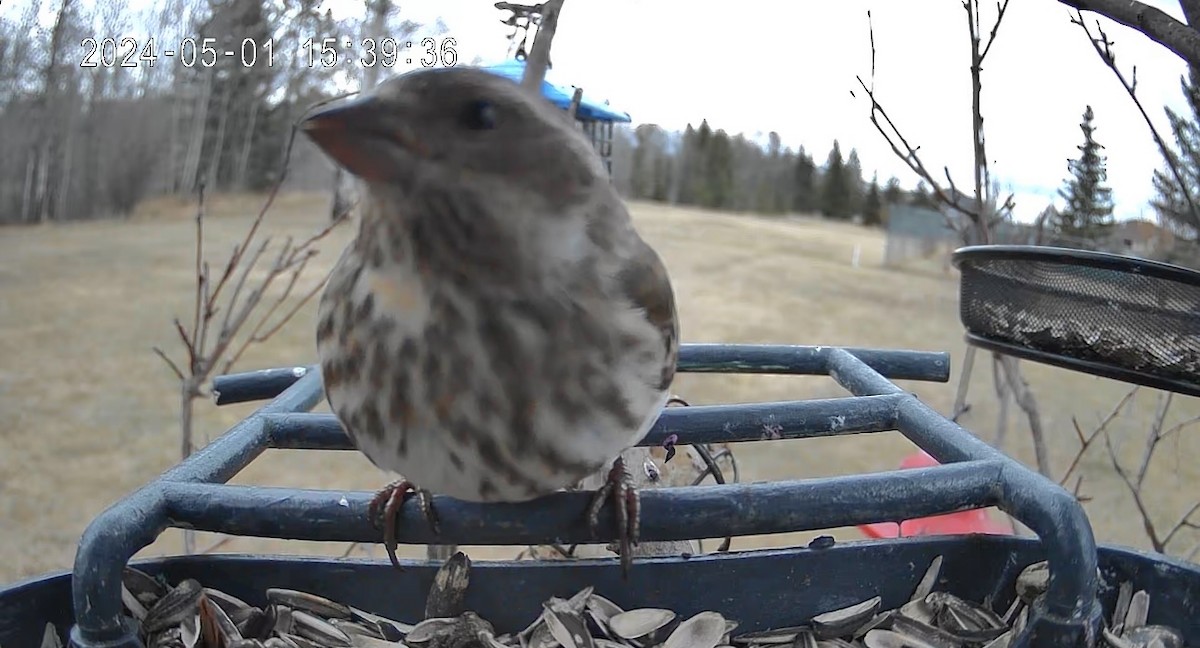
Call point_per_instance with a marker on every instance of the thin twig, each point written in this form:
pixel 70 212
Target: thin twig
pixel 1185 522
pixel 1085 442
pixel 1154 436
pixel 170 363
pixel 1147 522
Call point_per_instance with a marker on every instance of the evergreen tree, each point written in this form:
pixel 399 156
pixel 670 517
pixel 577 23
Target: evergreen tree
pixel 804 183
pixel 854 177
pixel 719 172
pixel 873 204
pixel 1088 212
pixel 1170 201
pixel 689 161
pixel 892 193
pixel 835 190
pixel 922 197
pixel 784 185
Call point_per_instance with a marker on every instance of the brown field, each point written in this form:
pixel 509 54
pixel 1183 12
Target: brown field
pixel 90 413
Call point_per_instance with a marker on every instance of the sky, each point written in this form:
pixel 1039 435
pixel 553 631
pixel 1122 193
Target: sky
pixel 764 65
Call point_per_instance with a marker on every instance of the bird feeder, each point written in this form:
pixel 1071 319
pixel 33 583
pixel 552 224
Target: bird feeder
pixel 595 118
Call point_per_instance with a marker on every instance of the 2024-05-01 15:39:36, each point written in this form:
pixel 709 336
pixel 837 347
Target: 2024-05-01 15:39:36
pixel 129 52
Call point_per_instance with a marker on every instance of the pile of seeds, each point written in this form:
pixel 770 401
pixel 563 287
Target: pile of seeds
pixel 189 615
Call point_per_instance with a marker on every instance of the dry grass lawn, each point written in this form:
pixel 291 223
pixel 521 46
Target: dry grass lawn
pixel 91 414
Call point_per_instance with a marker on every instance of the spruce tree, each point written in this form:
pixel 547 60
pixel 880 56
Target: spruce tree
pixel 873 204
pixel 835 190
pixel 718 177
pixel 804 183
pixel 1088 212
pixel 1170 201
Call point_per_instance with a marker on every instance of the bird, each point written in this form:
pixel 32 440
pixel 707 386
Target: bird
pixel 497 329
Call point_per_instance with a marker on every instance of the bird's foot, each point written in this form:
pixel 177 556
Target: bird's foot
pixel 391 498
pixel 626 506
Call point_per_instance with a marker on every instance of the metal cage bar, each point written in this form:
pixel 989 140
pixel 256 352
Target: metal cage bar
pixel 972 475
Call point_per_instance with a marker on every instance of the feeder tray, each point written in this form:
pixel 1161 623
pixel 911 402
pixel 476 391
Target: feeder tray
pixel 1109 315
pixel 761 589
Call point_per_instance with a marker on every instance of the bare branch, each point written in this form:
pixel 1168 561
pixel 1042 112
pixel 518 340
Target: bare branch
pixel 1185 522
pixel 1147 523
pixel 199 264
pixel 1086 442
pixel 170 363
pixel 1000 9
pixel 1153 23
pixel 1154 436
pixel 1179 426
pixel 1103 47
pixel 187 343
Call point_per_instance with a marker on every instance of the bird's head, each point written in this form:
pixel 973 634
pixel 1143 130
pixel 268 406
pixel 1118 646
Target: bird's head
pixel 452 129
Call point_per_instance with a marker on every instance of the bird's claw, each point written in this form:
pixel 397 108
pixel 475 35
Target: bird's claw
pixel 391 498
pixel 626 506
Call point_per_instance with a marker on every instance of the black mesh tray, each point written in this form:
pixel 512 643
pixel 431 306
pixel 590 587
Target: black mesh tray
pixel 1105 314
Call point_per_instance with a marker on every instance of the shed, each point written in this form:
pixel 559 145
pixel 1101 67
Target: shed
pixel 595 118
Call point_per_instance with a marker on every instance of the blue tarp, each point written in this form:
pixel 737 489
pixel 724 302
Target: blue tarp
pixel 560 96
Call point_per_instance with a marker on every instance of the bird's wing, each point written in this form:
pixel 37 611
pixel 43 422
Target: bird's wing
pixel 644 280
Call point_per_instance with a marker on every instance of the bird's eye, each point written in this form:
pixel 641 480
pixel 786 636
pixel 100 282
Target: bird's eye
pixel 480 115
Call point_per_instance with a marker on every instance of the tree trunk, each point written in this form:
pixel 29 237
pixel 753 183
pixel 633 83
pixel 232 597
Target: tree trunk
pixel 199 127
pixel 247 144
pixel 218 149
pixel 64 180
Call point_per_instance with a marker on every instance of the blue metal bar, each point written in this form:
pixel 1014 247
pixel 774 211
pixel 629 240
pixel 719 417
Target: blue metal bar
pixel 256 385
pixel 1042 505
pixel 134 522
pixel 695 424
pixel 694 358
pixel 712 511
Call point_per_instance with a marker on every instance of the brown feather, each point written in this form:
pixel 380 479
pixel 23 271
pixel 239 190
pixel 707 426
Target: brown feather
pixel 644 280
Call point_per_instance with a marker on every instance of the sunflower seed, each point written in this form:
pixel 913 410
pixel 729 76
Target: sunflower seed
pixel 1148 634
pixel 173 607
pixel 448 595
pixel 889 639
pixel 319 630
pixel 1033 581
pixel 50 638
pixel 189 630
pixel 771 637
pixel 212 613
pixel 703 630
pixel 566 626
pixel 836 623
pixel 929 580
pixel 139 582
pixel 132 603
pixel 230 604
pixel 1115 641
pixel 639 623
pixel 318 605
pixel 1139 610
pixel 1124 595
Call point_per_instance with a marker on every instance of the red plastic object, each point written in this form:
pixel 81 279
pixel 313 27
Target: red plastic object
pixel 975 521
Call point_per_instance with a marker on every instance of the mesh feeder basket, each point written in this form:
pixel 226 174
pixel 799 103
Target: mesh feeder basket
pixel 1109 315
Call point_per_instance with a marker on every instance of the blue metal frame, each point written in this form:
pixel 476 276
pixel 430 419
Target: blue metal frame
pixel 194 495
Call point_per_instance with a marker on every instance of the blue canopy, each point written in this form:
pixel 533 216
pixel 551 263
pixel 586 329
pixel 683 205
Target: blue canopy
pixel 561 96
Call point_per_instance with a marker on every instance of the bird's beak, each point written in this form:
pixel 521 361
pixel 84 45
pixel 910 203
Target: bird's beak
pixel 360 134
